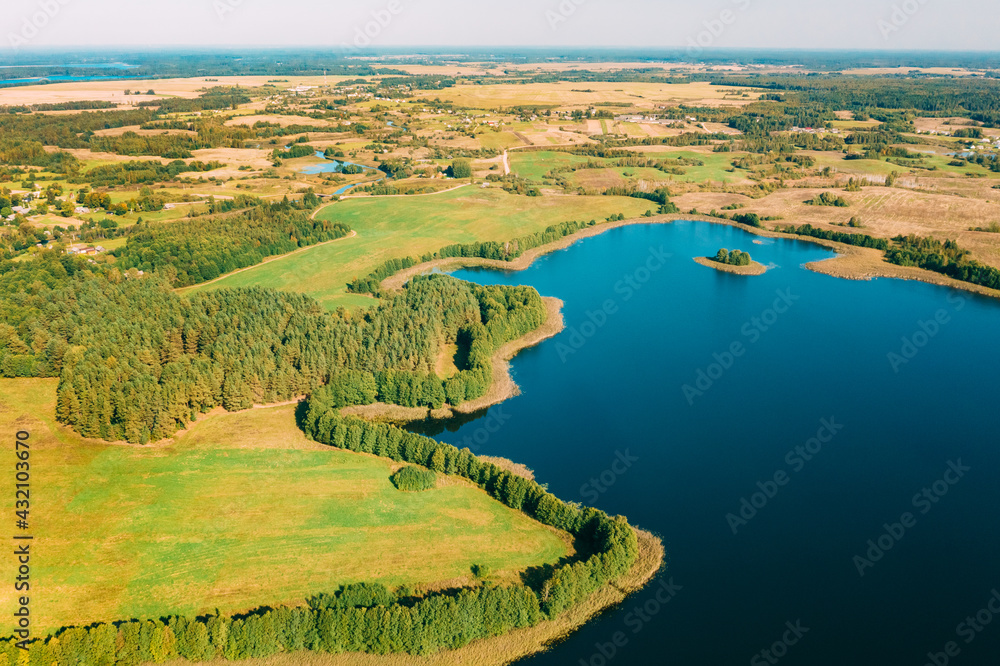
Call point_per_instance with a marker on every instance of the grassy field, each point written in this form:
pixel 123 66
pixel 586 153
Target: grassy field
pixel 394 227
pixel 533 165
pixel 241 511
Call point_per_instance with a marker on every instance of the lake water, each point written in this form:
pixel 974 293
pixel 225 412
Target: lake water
pixel 66 78
pixel 329 165
pixel 604 419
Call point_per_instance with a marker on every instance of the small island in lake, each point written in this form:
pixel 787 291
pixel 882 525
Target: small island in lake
pixel 736 261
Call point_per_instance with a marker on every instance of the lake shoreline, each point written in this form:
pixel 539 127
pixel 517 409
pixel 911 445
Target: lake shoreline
pixel 498 650
pixel 502 388
pixel 851 262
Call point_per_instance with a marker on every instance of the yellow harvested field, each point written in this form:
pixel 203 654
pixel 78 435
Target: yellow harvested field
pixel 284 121
pixel 885 213
pixel 258 159
pixel 949 125
pixel 114 91
pixel 118 131
pixel 564 94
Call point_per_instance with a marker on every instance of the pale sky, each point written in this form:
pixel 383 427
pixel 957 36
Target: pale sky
pixel 845 24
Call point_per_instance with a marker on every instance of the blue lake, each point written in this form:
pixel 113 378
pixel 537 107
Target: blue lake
pixel 329 165
pixel 827 437
pixel 62 78
pixel 334 166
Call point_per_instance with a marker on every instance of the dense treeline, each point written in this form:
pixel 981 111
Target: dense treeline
pixel 371 284
pixel 203 249
pixel 137 362
pixel 861 240
pixel 144 172
pixel 489 318
pixel 498 251
pixel 681 140
pixel 660 196
pixel 946 258
pixel 931 254
pixel 607 547
pixel 213 99
pixel 944 96
pixel 511 249
pixel 24 136
pixel 67 131
pixel 79 105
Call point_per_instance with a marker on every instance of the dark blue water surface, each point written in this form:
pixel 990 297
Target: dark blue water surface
pixel 614 390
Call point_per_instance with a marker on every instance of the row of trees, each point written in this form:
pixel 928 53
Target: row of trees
pixel 860 240
pixel 606 546
pixel 497 251
pixel 203 249
pixel 369 618
pixel 415 626
pixel 942 257
pixel 145 172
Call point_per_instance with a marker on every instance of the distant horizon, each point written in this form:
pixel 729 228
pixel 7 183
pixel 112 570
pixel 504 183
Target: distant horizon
pixel 467 49
pixel 867 25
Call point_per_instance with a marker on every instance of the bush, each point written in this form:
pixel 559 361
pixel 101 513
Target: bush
pixel 734 258
pixel 461 169
pixel 828 199
pixel 415 479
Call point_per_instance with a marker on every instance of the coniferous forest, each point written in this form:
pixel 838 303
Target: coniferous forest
pixel 136 362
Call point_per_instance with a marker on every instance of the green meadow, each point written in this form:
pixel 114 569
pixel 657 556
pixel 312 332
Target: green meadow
pixel 241 511
pixel 396 227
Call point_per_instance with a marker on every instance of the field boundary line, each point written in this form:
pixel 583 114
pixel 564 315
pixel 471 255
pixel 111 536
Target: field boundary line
pixel 267 260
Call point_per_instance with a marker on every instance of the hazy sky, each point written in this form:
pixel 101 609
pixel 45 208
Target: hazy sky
pixel 850 24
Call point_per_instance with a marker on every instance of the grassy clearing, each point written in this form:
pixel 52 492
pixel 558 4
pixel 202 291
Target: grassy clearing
pixel 501 649
pixel 498 140
pixel 241 511
pixel 534 165
pixel 397 227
